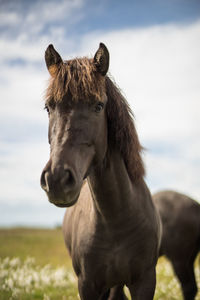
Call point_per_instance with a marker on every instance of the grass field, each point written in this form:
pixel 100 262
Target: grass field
pixel 34 264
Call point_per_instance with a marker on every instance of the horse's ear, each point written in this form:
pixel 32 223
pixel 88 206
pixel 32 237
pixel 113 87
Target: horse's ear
pixel 101 59
pixel 53 60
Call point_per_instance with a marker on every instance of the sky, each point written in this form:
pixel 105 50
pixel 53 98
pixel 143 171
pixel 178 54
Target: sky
pixel 154 50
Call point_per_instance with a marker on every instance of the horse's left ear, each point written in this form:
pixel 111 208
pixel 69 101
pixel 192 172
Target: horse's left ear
pixel 53 60
pixel 101 59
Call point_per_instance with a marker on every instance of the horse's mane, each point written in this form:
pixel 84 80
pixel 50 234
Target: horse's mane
pixel 121 131
pixel 80 79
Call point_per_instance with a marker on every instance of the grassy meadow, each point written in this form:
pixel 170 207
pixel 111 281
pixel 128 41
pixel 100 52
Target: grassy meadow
pixel 34 264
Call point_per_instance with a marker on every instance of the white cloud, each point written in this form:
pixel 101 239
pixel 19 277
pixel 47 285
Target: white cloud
pixel 158 69
pixel 22 91
pixel 9 18
pixel 173 172
pixel 21 166
pixel 30 31
pixel 44 13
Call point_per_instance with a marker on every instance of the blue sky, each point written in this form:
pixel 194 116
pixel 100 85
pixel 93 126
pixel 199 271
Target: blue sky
pixel 154 48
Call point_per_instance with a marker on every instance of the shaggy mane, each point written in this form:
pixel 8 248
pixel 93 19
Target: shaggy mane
pixel 121 131
pixel 80 79
pixel 77 77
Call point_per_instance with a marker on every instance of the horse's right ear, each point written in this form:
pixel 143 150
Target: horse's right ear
pixel 101 59
pixel 53 60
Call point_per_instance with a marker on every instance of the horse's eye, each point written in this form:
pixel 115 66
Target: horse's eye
pixel 47 109
pixel 99 107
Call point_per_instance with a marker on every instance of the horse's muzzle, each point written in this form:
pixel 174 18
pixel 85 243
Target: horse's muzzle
pixel 61 186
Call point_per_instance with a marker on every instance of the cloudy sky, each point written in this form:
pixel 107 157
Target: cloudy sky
pixel 154 47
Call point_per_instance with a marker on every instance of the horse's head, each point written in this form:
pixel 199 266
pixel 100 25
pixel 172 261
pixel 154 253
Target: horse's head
pixel 76 101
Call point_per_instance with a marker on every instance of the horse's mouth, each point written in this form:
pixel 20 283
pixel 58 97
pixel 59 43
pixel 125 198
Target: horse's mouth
pixel 62 201
pixel 67 204
pixel 61 205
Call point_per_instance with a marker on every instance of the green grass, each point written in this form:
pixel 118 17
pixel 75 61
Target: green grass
pixel 49 293
pixel 45 245
pixel 49 275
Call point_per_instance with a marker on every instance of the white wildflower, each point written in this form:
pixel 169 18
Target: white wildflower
pixel 14 262
pixel 46 297
pixel 16 276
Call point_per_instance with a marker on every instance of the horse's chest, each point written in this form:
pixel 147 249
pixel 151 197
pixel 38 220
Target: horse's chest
pixel 112 257
pixel 110 261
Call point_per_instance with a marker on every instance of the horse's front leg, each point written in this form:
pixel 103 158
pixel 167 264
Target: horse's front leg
pixel 144 288
pixel 117 293
pixel 89 291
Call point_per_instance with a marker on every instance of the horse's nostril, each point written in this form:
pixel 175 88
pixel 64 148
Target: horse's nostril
pixel 61 180
pixel 68 178
pixel 44 181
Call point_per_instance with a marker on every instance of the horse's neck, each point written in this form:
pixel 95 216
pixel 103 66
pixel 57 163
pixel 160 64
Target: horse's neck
pixel 112 190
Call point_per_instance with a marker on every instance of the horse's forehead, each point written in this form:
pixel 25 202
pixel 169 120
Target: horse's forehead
pixel 82 100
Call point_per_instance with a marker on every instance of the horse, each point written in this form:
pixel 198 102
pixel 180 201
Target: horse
pixel 180 243
pixel 111 227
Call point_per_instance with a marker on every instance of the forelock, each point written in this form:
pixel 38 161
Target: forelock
pixel 79 78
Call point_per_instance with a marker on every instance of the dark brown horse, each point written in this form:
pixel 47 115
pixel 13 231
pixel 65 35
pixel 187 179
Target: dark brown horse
pixel 112 229
pixel 180 217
